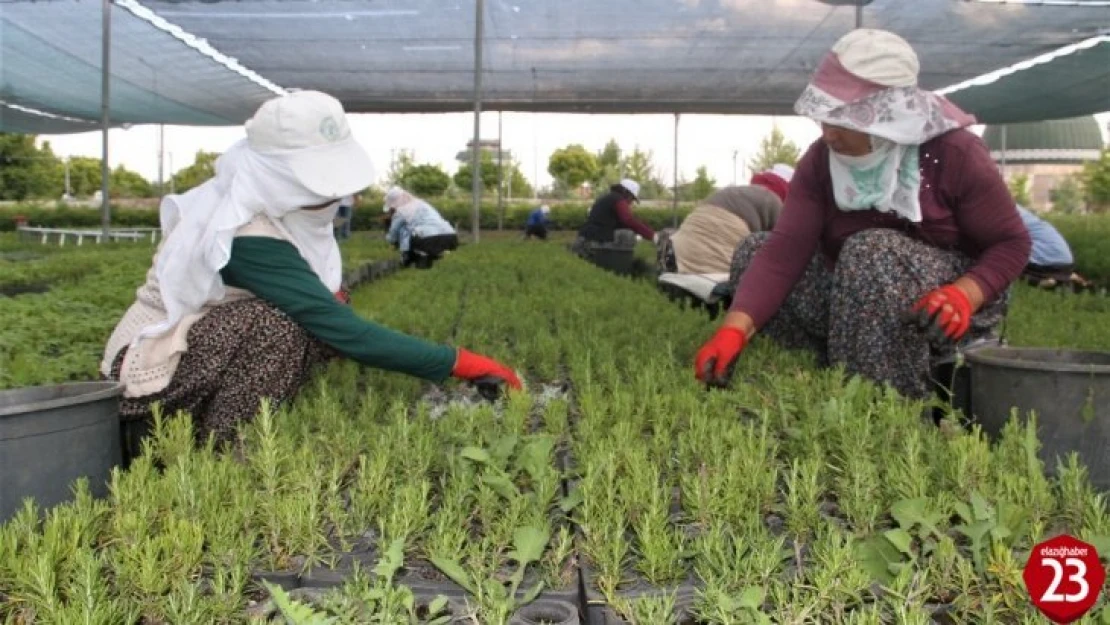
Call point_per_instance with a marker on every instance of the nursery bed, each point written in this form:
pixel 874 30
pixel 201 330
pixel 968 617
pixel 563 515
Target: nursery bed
pixel 632 493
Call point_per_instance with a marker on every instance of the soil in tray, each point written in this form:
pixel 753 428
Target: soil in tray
pixel 425 578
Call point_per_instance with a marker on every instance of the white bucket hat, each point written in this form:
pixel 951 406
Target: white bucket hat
pixel 545 209
pixel 391 198
pixel 632 187
pixel 784 171
pixel 309 130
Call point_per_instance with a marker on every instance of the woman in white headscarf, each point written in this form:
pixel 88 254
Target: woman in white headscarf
pixel 898 237
pixel 244 296
pixel 417 229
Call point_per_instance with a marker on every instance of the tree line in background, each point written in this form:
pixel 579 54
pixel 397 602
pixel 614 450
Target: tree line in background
pixel 29 171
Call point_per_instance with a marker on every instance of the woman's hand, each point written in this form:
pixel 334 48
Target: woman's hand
pixel 471 367
pixel 716 359
pixel 949 308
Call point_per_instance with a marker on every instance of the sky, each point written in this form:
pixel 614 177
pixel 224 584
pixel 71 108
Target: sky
pixel 709 140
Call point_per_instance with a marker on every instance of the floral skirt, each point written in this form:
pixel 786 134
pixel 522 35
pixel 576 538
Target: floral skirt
pixel 239 354
pixel 852 315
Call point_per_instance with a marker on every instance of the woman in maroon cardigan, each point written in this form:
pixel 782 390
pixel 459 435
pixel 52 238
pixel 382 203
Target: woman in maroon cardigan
pixel 897 239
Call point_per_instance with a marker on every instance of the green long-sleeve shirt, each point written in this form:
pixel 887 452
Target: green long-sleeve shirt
pixel 275 271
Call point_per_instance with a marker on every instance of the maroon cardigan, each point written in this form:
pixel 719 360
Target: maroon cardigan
pixel 965 206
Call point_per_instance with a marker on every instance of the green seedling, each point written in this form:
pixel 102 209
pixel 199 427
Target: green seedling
pixel 886 555
pixel 295 612
pixel 497 601
pixel 716 605
pixel 646 610
pixel 984 525
pixel 803 496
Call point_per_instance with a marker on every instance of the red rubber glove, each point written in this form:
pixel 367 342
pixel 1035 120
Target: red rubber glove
pixel 342 296
pixel 471 366
pixel 948 308
pixel 716 359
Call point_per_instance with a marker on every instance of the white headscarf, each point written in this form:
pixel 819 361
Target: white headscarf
pixel 868 83
pixel 405 203
pixel 199 226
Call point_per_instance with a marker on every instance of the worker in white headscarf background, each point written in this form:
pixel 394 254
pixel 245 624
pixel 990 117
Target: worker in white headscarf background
pixel 244 297
pixel 417 229
pixel 707 238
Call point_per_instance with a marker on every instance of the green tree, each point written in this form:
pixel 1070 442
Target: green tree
pixel 610 165
pixel 26 170
pixel 640 166
pixel 703 185
pixel 774 148
pixel 463 178
pixel 1096 182
pixel 126 183
pixel 84 176
pixel 1067 197
pixel 203 168
pixel 399 168
pixel 1019 189
pixel 516 184
pixel 571 166
pixel 426 180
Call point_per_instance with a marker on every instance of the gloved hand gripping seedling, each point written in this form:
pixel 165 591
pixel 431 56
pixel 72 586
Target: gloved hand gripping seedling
pixel 944 312
pixel 717 358
pixel 487 374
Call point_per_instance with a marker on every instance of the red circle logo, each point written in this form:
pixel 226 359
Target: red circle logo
pixel 1064 577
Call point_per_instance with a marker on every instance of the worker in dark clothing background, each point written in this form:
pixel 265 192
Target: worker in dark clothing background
pixel 612 212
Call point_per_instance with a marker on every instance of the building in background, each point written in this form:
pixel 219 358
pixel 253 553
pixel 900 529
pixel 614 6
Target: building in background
pixel 1045 152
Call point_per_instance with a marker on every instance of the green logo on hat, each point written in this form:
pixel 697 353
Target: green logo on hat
pixel 329 129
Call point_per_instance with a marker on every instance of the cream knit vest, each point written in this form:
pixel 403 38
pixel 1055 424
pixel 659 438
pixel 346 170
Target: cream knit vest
pixel 150 364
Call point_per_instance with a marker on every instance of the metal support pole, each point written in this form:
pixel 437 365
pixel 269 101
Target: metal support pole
pixel 859 16
pixel 476 157
pixel 69 188
pixel 674 206
pixel 734 153
pixel 105 113
pixel 161 159
pixel 1003 150
pixel 500 176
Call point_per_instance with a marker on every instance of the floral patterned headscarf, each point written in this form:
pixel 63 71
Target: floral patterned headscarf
pixel 868 83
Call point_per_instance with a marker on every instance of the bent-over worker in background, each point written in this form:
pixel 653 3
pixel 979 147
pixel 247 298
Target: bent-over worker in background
pixel 610 215
pixel 897 239
pixel 707 238
pixel 538 223
pixel 417 229
pixel 1051 262
pixel 244 297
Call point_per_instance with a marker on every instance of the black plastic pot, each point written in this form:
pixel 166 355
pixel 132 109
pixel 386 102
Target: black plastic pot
pixel 548 611
pixel 132 435
pixel 1068 390
pixel 617 259
pixel 52 435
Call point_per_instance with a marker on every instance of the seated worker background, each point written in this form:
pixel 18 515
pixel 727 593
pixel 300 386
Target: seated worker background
pixel 1051 262
pixel 244 296
pixel 538 222
pixel 707 239
pixel 898 240
pixel 613 212
pixel 416 229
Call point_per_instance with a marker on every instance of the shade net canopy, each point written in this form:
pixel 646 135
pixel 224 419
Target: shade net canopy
pixel 603 56
pixel 1068 85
